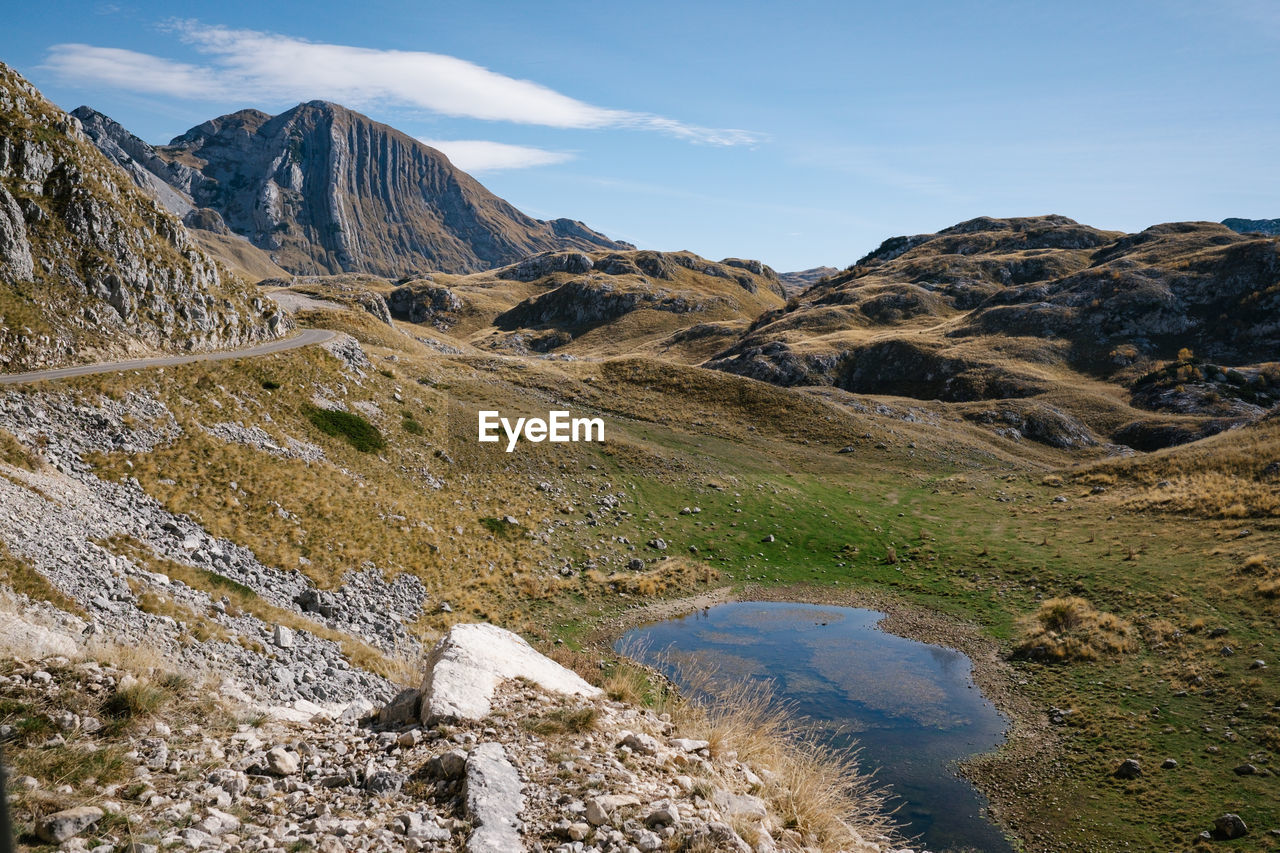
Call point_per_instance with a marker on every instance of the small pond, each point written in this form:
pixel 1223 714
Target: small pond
pixel 912 707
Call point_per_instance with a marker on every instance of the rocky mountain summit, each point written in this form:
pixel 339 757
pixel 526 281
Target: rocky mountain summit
pixel 323 190
pixel 89 266
pixel 798 282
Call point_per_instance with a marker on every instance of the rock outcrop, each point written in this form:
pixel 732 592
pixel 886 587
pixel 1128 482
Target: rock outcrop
pixel 1253 226
pixel 472 660
pixel 1181 315
pixel 91 267
pixel 325 190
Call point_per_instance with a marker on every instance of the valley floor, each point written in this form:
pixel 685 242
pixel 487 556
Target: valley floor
pixel 206 508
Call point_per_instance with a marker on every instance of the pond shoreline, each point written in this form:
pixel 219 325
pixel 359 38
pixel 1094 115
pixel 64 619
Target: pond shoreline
pixel 1031 743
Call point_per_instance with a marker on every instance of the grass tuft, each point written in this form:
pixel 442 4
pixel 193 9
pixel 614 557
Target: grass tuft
pixel 563 721
pixel 1067 629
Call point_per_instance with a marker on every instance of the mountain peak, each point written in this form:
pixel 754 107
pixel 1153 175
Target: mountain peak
pixel 324 189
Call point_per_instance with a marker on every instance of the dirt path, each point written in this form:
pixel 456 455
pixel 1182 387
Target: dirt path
pixel 306 338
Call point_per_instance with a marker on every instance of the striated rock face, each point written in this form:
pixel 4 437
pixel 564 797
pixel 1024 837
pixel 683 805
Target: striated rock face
pixel 327 190
pixel 89 266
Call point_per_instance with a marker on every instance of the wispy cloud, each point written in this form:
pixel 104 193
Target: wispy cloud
pixel 268 67
pixel 481 155
pixel 873 165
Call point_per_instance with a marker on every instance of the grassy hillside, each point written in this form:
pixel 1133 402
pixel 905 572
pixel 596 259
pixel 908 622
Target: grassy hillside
pixel 884 500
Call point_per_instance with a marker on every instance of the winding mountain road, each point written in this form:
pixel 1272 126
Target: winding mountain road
pixel 305 338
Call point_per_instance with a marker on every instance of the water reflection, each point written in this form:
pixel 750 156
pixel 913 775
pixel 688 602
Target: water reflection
pixel 911 706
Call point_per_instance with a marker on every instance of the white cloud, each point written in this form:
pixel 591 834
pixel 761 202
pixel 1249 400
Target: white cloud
pixel 481 155
pixel 127 69
pixel 266 67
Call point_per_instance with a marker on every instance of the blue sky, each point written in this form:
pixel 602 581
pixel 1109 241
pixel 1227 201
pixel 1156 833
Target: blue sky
pixel 801 133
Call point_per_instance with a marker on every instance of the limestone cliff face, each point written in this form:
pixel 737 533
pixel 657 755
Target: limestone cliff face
pixel 89 266
pixel 326 190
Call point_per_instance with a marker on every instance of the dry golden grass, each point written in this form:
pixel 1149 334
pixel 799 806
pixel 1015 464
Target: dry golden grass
pixel 1065 629
pixel 15 453
pixel 1223 476
pixel 667 576
pixel 1269 588
pixel 816 791
pixel 1210 495
pixel 21 577
pixel 1256 564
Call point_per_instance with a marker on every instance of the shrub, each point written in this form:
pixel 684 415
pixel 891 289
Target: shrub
pixel 357 431
pixel 1073 629
pixel 270 384
pixel 412 426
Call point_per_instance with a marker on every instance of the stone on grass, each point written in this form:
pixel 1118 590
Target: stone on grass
pixel 58 827
pixel 1231 826
pixel 1128 769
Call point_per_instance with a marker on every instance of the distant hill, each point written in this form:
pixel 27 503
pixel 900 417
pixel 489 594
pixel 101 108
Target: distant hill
pixel 674 304
pixel 1044 310
pixel 321 189
pixel 1253 226
pixel 797 282
pixel 91 268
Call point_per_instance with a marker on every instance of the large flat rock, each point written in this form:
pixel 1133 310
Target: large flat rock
pixel 469 663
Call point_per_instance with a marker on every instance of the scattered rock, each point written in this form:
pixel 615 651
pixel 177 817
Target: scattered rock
pixel 1230 826
pixel 60 826
pixel 281 762
pixel 1128 769
pixel 283 637
pixel 601 809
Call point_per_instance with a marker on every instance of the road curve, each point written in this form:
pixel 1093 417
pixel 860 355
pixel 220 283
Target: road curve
pixel 305 338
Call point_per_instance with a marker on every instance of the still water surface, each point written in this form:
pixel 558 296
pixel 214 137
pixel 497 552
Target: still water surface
pixel 912 707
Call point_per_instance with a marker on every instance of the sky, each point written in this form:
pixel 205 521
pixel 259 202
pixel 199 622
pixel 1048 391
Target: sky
pixel 800 133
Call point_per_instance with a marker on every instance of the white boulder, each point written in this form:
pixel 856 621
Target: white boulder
pixel 468 664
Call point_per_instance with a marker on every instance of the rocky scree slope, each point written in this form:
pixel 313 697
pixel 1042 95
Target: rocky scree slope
pixel 89 266
pixel 548 763
pixel 1009 309
pixel 122 558
pixel 323 190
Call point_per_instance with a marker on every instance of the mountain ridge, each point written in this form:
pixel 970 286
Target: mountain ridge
pixel 322 189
